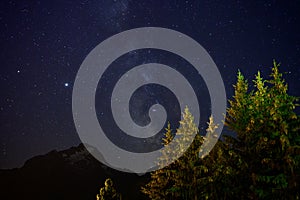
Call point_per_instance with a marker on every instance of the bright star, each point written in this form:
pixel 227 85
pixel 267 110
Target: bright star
pixel 66 84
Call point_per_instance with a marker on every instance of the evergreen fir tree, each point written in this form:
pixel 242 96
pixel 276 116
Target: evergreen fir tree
pixel 268 139
pixel 261 162
pixel 210 135
pixel 179 179
pixel 161 179
pixel 108 192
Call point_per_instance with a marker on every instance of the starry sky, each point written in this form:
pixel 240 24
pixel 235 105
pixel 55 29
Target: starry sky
pixel 43 44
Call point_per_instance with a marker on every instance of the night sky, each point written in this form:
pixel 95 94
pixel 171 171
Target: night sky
pixel 43 44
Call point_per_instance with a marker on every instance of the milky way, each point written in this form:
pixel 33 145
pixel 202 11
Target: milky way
pixel 44 43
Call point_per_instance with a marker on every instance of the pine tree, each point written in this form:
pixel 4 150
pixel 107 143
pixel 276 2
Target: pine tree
pixel 218 177
pixel 108 192
pixel 261 162
pixel 237 114
pixel 168 135
pixel 186 177
pixel 161 179
pixel 268 139
pixel 179 179
pixel 208 138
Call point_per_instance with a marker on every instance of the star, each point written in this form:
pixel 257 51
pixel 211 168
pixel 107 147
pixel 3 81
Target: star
pixel 47 79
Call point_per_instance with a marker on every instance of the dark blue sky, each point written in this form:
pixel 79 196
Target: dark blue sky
pixel 43 44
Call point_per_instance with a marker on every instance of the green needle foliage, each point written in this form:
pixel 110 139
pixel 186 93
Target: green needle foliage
pixel 261 162
pixel 268 139
pixel 108 192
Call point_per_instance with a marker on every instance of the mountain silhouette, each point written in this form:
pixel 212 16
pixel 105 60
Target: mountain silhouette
pixel 69 174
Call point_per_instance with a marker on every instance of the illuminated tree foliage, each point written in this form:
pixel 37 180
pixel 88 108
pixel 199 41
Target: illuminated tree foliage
pixel 168 135
pixel 268 138
pixel 209 138
pixel 178 180
pixel 161 180
pixel 261 162
pixel 108 192
pixel 216 172
pixel 187 166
